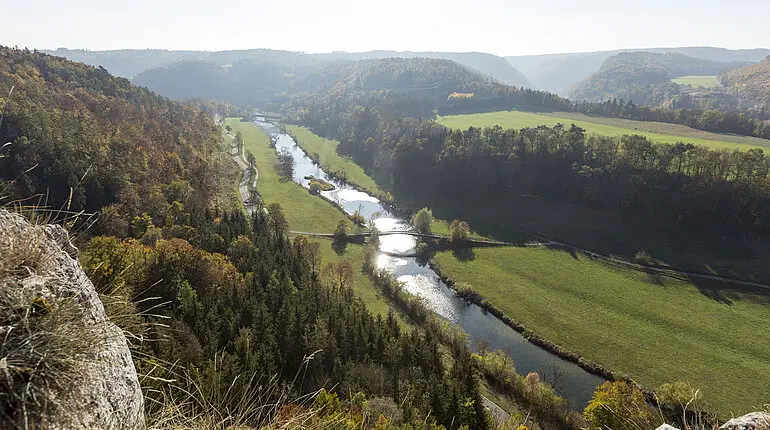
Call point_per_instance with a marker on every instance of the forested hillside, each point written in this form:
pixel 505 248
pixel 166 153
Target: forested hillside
pixel 643 77
pixel 82 139
pixel 560 72
pixel 130 63
pixel 246 82
pixel 221 311
pixel 416 87
pixel 751 84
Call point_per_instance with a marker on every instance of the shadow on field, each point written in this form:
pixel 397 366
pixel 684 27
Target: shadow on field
pixel 729 292
pixel 521 219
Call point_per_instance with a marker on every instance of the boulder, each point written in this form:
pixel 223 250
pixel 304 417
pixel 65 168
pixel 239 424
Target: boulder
pixel 752 421
pixel 101 388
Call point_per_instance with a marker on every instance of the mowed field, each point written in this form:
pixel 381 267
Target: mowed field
pixel 653 330
pixel 656 131
pixel 698 81
pixel 306 212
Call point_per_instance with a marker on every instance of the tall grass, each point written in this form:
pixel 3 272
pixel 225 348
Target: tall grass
pixel 46 340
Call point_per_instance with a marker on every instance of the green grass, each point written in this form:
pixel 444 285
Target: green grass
pixel 656 131
pixel 655 332
pixel 330 161
pixel 698 81
pixel 304 211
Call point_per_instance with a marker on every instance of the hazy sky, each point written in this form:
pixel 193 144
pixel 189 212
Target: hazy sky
pixel 503 27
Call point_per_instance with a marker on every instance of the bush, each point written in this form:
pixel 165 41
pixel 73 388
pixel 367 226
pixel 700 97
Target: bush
pixel 315 188
pixel 341 232
pixel 459 231
pixel 618 405
pixel 422 220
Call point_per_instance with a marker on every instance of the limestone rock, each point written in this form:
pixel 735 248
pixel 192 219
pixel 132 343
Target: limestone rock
pixel 106 393
pixel 752 421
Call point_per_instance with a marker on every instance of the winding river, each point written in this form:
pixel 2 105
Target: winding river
pixel 573 383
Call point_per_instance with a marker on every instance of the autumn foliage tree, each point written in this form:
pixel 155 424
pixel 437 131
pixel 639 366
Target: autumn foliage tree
pixel 618 405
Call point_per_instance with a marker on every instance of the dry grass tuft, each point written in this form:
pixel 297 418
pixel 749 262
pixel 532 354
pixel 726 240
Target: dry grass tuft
pixel 45 343
pixel 45 339
pixel 23 252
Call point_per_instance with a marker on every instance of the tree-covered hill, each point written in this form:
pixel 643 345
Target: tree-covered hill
pixel 81 137
pixel 560 72
pixel 130 63
pixel 644 77
pixel 415 87
pixel 751 84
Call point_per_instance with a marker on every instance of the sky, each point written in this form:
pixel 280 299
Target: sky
pixel 502 27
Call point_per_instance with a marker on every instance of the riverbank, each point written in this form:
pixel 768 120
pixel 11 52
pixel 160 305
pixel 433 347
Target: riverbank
pixel 622 323
pixel 324 152
pixel 614 321
pixel 305 211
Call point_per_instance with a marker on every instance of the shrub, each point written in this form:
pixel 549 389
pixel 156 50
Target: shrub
pixel 459 231
pixel 618 405
pixel 422 220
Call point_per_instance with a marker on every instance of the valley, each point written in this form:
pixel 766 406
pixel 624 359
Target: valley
pixel 642 325
pixel 407 240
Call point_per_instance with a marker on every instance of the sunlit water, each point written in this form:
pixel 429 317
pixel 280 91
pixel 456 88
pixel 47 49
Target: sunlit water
pixel 573 383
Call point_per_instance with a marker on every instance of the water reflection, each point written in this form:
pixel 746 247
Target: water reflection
pixel 575 384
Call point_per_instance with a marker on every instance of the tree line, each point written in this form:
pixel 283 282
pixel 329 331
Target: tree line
pixel 679 185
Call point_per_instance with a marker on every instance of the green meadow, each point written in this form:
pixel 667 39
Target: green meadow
pixel 304 211
pixel 698 81
pixel 656 131
pixel 654 330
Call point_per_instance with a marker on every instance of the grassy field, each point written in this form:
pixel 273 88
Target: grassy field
pixel 330 161
pixel 656 131
pixel 698 81
pixel 656 331
pixel 304 211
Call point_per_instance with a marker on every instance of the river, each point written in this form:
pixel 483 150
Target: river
pixel 573 383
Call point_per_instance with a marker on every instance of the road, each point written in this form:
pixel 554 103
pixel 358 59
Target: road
pixel 501 417
pixel 243 186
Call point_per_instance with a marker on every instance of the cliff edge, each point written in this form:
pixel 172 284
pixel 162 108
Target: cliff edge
pixel 63 364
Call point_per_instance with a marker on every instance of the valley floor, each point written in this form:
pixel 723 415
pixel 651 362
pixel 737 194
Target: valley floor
pixel 651 328
pixel 306 212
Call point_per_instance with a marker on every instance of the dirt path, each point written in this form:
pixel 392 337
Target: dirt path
pixel 243 186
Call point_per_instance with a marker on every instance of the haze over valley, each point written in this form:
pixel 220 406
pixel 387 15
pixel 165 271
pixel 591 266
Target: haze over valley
pixel 421 215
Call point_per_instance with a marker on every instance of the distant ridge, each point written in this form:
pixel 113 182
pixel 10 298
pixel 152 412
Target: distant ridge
pixel 131 62
pixel 560 72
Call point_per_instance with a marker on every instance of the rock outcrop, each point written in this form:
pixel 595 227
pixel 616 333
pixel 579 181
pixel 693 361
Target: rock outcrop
pixel 102 388
pixel 752 421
